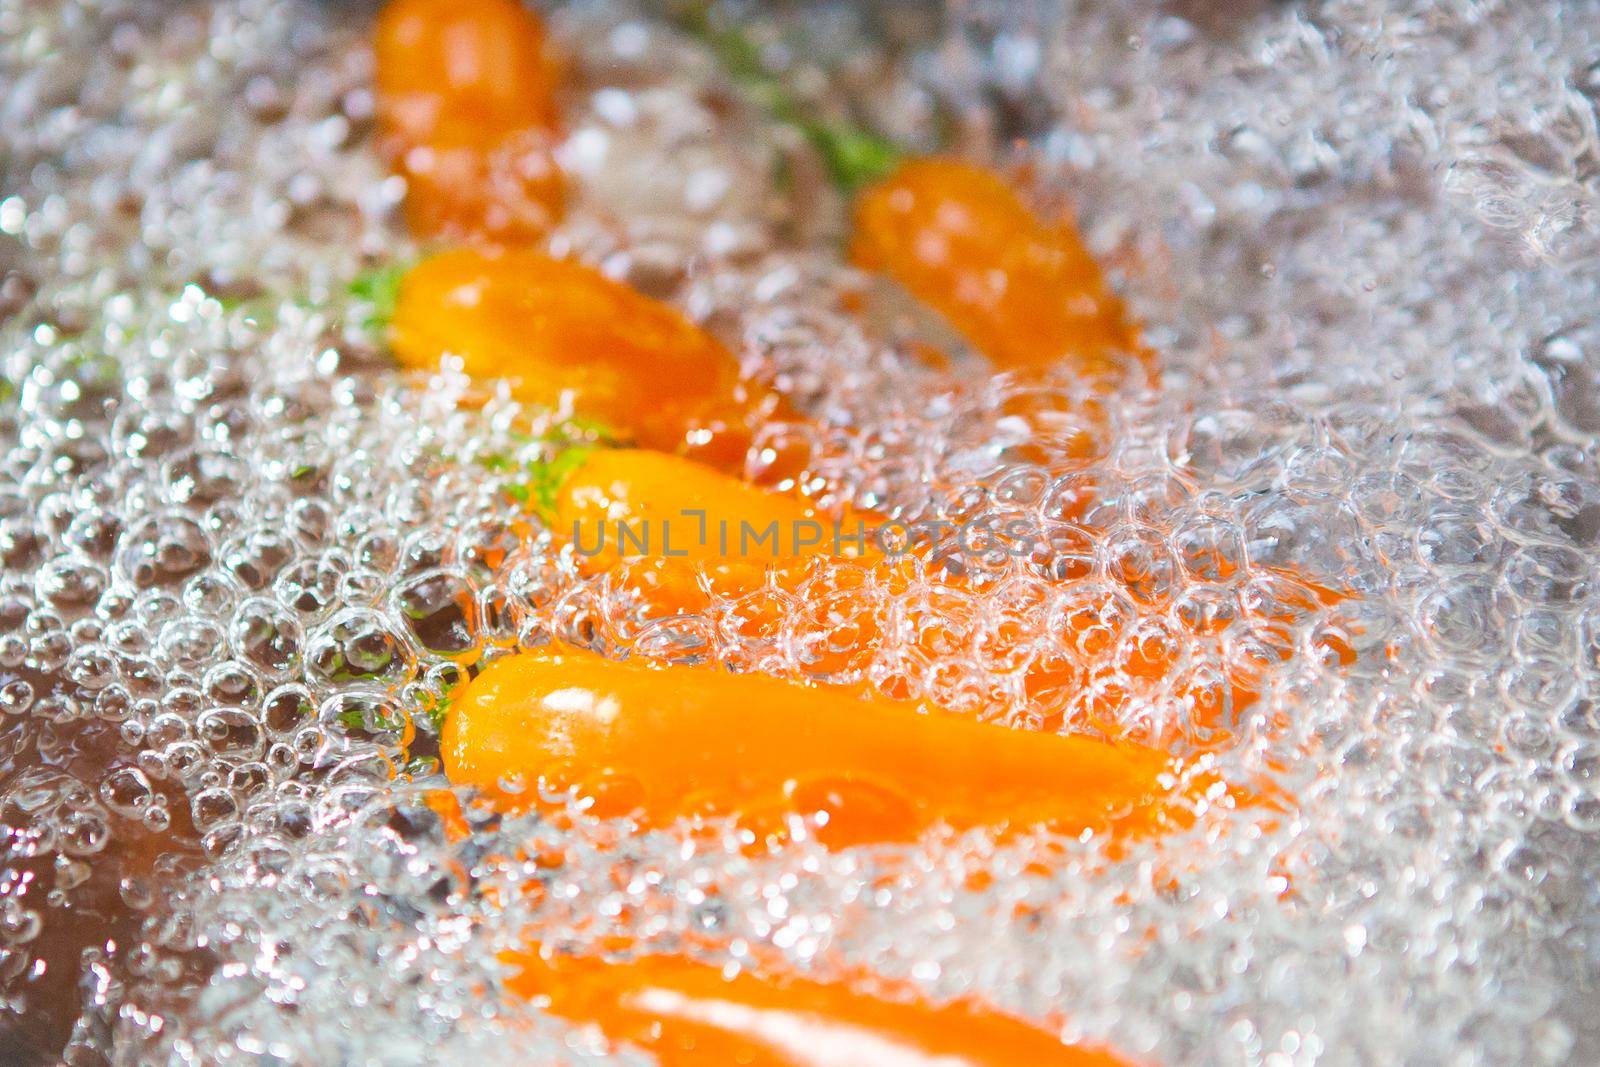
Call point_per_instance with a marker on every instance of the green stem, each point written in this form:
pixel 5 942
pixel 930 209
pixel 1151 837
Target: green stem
pixel 543 480
pixel 854 155
pixel 377 290
pixel 564 447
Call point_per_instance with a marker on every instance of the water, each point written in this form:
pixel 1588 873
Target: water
pixel 241 552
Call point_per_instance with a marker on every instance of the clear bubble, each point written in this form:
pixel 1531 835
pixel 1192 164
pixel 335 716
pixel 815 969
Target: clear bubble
pixel 162 550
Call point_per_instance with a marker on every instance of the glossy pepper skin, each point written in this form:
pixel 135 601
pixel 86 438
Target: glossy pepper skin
pixel 565 333
pixel 1024 291
pixel 467 112
pixel 667 743
pixel 688 1013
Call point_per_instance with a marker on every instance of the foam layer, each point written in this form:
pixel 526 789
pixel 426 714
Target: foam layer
pixel 241 554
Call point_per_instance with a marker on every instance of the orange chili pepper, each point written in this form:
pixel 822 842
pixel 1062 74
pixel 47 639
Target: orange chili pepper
pixel 675 742
pixel 564 332
pixel 1023 290
pixel 617 503
pixel 688 1013
pixel 466 115
pixel 675 531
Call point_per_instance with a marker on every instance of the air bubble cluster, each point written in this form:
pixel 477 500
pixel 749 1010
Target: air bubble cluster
pixel 245 560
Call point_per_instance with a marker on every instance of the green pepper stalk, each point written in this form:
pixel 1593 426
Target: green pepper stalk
pixel 855 156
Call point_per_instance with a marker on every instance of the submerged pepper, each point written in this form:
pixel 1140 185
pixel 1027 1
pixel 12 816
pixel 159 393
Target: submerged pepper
pixel 467 113
pixel 616 504
pixel 1022 289
pixel 676 535
pixel 675 532
pixel 686 1012
pixel 667 743
pixel 566 334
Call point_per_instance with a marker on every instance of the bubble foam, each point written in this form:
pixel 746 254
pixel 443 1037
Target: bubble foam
pixel 244 558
